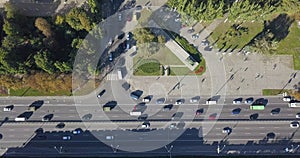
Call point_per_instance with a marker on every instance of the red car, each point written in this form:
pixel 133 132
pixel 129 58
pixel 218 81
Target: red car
pixel 212 116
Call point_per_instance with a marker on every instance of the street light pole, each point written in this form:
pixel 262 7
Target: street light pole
pixel 60 149
pixel 115 149
pixel 169 150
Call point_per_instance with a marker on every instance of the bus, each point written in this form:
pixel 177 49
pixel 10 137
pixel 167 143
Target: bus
pixel 120 76
pixel 257 107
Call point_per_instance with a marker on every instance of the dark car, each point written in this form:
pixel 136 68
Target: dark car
pixel 167 107
pixel 60 125
pixel 236 111
pixel 253 116
pixel 275 111
pixel 139 7
pixel 199 111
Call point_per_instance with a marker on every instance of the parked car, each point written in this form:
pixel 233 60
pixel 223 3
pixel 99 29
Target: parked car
pixel 294 124
pixel 145 125
pixel 199 111
pixel 275 111
pixel 110 57
pixel 194 100
pixel 249 100
pixel 147 99
pixel 139 7
pixel 236 111
pixel 298 115
pixel 236 102
pixel 172 125
pixel 226 130
pixel 179 102
pixel 160 101
pixel 195 36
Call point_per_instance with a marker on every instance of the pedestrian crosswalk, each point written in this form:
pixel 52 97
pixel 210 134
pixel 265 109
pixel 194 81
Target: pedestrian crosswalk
pixel 112 77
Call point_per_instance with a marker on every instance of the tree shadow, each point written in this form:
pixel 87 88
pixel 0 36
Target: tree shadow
pixel 278 28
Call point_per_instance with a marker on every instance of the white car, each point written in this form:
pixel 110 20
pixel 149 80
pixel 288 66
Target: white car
pixel 109 137
pixel 66 137
pixel 120 17
pixel 194 100
pixel 226 130
pixel 236 102
pixel 146 100
pixel 294 124
pixel 298 115
pixel 287 98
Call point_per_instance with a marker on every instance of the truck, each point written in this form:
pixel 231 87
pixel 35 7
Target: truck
pixel 294 104
pixel 135 113
pixel 19 118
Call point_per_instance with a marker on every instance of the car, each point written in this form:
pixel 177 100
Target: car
pixel 66 137
pixel 46 119
pixel 160 101
pixel 195 36
pixel 172 125
pixel 8 108
pixel 145 125
pixel 294 124
pixel 77 131
pixel 120 17
pixel 101 93
pixel 191 30
pixel 179 102
pixel 212 116
pixel 194 100
pixel 128 18
pixel 146 99
pixel 60 125
pixel 287 98
pixel 167 107
pixel 236 102
pixel 208 48
pixel 127 36
pixel 204 43
pixel 275 111
pixel 199 112
pixel 138 7
pixel 253 116
pixel 226 130
pixel 298 115
pixel 109 137
pixel 110 57
pixel 236 111
pixel 249 100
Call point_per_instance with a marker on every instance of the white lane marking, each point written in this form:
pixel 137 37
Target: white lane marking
pixel 247 133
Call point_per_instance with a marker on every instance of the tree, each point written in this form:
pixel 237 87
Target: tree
pixel 43 61
pixel 143 35
pixel 10 10
pixel 161 39
pixel 63 66
pixel 78 19
pixel 11 28
pixel 59 19
pixel 43 25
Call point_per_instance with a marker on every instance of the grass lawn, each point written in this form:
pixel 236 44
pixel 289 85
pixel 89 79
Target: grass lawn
pixel 179 71
pixel 34 92
pixel 148 68
pixel 268 92
pixel 290 45
pixel 235 42
pixel 164 56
